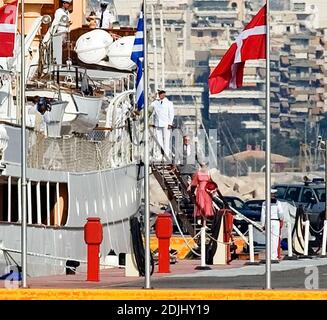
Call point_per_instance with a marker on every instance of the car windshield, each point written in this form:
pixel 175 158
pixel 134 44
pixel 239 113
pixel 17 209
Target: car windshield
pixel 235 203
pixel 321 194
pixel 238 204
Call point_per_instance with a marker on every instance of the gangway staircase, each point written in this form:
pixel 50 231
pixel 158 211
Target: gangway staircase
pixel 182 201
pixel 175 187
pixel 169 178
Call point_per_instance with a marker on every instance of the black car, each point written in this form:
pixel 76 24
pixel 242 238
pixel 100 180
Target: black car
pixel 255 207
pixel 311 196
pixel 251 209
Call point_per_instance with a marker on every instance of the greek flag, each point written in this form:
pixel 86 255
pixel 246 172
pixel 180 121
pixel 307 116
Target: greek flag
pixel 138 57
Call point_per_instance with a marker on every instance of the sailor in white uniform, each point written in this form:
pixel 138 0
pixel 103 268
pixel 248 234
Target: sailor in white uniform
pixel 105 18
pixel 276 217
pixel 163 120
pixel 38 114
pixel 59 14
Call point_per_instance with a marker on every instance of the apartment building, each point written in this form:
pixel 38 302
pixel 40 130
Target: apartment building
pixel 187 39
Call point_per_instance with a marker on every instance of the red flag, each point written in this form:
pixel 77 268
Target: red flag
pixel 8 19
pixel 249 45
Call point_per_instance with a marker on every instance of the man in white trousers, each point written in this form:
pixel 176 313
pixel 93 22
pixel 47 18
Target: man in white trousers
pixel 163 120
pixel 276 218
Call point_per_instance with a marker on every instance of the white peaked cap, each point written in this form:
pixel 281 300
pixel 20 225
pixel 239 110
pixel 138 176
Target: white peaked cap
pixel 69 1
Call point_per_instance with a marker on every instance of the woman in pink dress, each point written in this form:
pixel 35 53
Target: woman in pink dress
pixel 200 180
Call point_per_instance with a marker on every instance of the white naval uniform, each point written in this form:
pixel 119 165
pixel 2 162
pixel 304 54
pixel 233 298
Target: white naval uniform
pixel 276 216
pixel 37 120
pixel 163 117
pixel 108 19
pixel 56 22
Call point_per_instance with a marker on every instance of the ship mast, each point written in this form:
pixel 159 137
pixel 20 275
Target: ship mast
pixel 23 151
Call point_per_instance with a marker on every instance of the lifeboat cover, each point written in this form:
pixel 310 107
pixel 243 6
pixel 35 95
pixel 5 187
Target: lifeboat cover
pixel 120 52
pixel 92 46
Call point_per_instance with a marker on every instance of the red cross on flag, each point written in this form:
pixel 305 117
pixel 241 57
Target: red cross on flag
pixel 8 21
pixel 249 45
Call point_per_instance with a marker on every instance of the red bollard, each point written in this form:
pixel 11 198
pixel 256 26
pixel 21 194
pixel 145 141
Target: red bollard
pixel 164 230
pixel 93 237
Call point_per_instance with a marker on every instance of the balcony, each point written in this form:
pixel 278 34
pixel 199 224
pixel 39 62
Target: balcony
pixel 236 109
pixel 221 13
pixel 243 94
pixel 302 77
pixel 253 79
pixel 255 63
pixel 254 125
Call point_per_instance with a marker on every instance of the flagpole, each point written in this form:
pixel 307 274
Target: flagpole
pixel 268 153
pixel 146 156
pixel 23 150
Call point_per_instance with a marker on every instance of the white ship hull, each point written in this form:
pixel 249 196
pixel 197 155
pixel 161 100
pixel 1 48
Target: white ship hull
pixel 64 189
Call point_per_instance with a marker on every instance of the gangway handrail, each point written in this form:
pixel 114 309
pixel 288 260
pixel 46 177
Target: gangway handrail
pixel 242 216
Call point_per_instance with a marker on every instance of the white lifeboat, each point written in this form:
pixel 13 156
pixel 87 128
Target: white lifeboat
pixel 92 46
pixel 120 52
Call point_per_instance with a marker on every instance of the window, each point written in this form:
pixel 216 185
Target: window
pixel 238 204
pixel 292 194
pixel 124 20
pixel 281 192
pixel 214 34
pixel 47 203
pixel 200 34
pixel 299 6
pixel 321 194
pixel 307 194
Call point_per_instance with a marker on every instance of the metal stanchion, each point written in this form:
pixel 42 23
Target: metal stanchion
pixel 306 240
pixel 251 248
pixel 324 240
pixel 203 265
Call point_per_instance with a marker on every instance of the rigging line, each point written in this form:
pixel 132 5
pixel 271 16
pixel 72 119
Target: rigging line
pixel 209 143
pixel 233 140
pixel 122 118
pixel 188 117
pixel 228 144
pixel 181 232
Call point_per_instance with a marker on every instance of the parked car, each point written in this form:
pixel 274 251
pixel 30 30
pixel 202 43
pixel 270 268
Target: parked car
pixel 251 209
pixel 311 196
pixel 254 207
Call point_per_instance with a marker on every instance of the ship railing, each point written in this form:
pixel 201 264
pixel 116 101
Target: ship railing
pixel 58 258
pixel 80 153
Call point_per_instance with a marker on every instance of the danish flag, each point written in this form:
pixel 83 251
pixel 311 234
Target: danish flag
pixel 8 21
pixel 249 45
